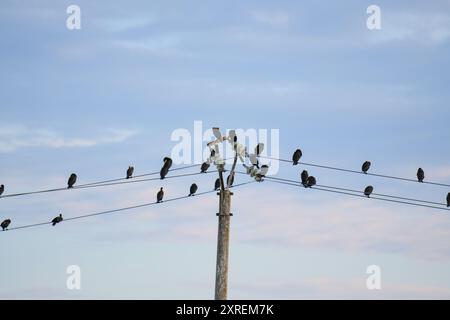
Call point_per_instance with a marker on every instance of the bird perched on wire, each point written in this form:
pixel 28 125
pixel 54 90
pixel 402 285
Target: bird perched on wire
pixel 366 166
pixel 130 172
pixel 57 219
pixel 304 176
pixel 160 195
pixel 448 199
pixel 420 175
pixel 164 171
pixel 204 167
pixel 296 157
pixel 311 181
pixel 71 181
pixel 217 184
pixel 193 189
pixel 167 162
pixel 368 191
pixel 262 173
pixel 5 224
pixel 2 189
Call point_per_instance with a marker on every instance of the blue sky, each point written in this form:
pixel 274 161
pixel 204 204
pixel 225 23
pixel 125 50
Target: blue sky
pixel 95 100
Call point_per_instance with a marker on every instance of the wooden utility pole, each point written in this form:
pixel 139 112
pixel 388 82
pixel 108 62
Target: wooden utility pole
pixel 223 240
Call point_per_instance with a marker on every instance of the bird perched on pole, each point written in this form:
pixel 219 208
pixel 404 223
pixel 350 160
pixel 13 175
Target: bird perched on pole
pixel 71 181
pixel 57 219
pixel 5 224
pixel 2 189
pixel 296 157
pixel 230 179
pixel 159 195
pixel 368 191
pixel 311 181
pixel 448 199
pixel 193 189
pixel 217 184
pixel 130 172
pixel 366 166
pixel 304 176
pixel 204 167
pixel 420 175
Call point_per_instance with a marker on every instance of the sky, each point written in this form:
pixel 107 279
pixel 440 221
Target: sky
pixel 111 94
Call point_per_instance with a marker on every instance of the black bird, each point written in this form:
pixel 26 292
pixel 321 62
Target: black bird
pixel 217 184
pixel 311 181
pixel 57 219
pixel 160 195
pixel 448 199
pixel 193 189
pixel 366 166
pixel 130 172
pixel 205 167
pixel 368 191
pixel 230 180
pixel 304 176
pixel 420 175
pixel 5 224
pixel 72 180
pixel 167 162
pixel 164 171
pixel 296 157
pixel 2 189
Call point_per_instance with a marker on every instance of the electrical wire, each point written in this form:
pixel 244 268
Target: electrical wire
pixel 83 216
pixel 358 172
pixel 362 192
pixel 104 182
pixel 358 195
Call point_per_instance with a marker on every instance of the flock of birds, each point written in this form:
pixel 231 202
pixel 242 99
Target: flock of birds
pixel 306 180
pixel 159 196
pixel 309 181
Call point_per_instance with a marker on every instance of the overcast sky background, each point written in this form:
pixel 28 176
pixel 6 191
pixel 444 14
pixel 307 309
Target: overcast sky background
pixel 95 100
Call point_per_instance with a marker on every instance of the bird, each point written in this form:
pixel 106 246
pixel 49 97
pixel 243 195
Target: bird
pixel 160 195
pixel 72 180
pixel 130 172
pixel 205 167
pixel 167 162
pixel 448 199
pixel 311 181
pixel 366 166
pixel 57 219
pixel 304 176
pixel 368 191
pixel 164 171
pixel 230 180
pixel 420 174
pixel 296 157
pixel 193 189
pixel 217 184
pixel 2 189
pixel 5 224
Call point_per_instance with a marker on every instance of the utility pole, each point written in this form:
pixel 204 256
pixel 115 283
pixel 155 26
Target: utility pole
pixel 223 240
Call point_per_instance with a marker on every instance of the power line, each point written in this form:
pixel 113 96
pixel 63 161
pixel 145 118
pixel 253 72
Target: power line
pixel 109 182
pixel 358 172
pixel 362 192
pixel 121 209
pixel 360 196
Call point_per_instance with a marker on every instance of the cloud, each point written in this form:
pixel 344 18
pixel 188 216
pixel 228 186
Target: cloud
pixel 125 24
pixel 275 19
pixel 14 137
pixel 426 28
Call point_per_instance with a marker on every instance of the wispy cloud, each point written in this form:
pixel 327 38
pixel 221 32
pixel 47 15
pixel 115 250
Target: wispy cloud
pixel 275 19
pixel 14 137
